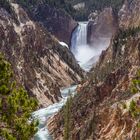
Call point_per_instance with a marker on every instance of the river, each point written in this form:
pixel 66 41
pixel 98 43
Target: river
pixel 44 114
pixel 86 56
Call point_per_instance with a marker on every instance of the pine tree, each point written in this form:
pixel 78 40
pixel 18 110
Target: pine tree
pixel 67 119
pixel 135 87
pixel 15 107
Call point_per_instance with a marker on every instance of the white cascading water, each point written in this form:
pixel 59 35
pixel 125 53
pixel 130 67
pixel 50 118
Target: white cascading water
pixel 86 55
pixel 79 46
pixel 42 115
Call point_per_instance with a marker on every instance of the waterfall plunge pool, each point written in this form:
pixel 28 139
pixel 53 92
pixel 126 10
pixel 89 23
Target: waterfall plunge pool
pixel 86 55
pixel 42 115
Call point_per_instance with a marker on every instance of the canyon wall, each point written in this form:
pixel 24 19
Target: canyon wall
pixel 129 14
pixel 105 107
pixel 40 63
pixel 101 26
pixel 57 21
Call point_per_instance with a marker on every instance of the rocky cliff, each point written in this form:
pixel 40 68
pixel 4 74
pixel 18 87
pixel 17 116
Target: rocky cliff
pixel 101 26
pixel 106 106
pixel 41 64
pixel 57 21
pixel 104 24
pixel 102 107
pixel 129 14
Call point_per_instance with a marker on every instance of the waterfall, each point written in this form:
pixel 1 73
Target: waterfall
pixel 79 37
pixel 79 47
pixel 86 55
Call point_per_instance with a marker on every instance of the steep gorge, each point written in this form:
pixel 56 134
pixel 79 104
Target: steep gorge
pixel 102 107
pixel 40 63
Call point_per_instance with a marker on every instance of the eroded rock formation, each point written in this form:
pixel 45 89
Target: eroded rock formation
pixel 41 64
pixel 98 110
pixel 57 21
pixel 101 26
pixel 129 14
pixel 102 108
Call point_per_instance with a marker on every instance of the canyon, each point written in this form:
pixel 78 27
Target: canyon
pixel 87 69
pixel 102 107
pixel 42 65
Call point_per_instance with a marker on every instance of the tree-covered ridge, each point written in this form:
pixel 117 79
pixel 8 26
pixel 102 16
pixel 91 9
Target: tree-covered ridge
pixel 101 4
pixel 16 107
pixel 5 4
pixel 59 4
pixel 93 5
pixel 67 5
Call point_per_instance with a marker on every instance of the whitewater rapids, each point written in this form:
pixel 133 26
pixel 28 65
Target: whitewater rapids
pixel 42 115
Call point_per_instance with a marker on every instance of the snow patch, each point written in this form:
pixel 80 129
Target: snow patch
pixel 64 44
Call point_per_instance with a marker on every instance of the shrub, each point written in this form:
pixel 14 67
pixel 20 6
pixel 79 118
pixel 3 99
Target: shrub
pixel 132 108
pixel 135 86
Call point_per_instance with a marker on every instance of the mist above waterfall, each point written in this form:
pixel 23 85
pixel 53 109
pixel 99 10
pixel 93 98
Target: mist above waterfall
pixel 86 55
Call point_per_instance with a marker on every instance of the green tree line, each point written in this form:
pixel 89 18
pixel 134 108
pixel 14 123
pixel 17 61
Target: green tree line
pixel 16 107
pixel 67 5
